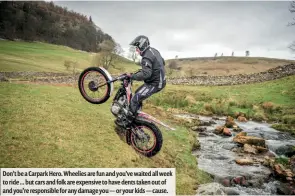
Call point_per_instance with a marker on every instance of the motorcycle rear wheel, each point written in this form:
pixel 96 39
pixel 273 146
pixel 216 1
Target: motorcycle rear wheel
pixel 92 85
pixel 156 135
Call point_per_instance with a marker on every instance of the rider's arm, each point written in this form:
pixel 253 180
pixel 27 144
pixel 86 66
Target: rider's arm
pixel 145 72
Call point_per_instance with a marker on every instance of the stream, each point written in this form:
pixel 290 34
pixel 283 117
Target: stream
pixel 217 157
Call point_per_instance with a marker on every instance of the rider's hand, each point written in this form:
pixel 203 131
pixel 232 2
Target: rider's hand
pixel 128 75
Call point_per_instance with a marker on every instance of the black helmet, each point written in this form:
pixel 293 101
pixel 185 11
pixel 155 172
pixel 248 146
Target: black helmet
pixel 141 43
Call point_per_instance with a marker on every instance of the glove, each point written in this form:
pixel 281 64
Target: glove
pixel 129 75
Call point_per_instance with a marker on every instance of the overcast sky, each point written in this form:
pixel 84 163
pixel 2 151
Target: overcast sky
pixel 195 28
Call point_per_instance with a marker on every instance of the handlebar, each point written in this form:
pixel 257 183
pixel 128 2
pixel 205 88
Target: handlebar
pixel 121 77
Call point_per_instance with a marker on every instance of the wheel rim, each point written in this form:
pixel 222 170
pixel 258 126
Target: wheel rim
pixel 140 145
pixel 89 86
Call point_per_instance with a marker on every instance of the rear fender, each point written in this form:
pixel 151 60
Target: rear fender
pixel 148 117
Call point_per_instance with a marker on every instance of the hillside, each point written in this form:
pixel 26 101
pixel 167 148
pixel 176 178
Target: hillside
pixel 42 57
pixel 49 23
pixel 224 65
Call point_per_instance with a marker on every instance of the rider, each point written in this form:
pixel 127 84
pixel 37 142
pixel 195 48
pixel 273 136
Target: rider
pixel 152 73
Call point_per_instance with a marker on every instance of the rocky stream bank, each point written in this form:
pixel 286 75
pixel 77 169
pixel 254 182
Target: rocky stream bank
pixel 243 157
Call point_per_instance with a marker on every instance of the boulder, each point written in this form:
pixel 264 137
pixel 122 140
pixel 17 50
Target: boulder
pixel 241 134
pixel 229 122
pixel 261 149
pixel 282 172
pixel 285 189
pixel 249 140
pixel 242 119
pixel 199 129
pixel 205 123
pixel 237 128
pixel 240 180
pixel 218 129
pixel 245 161
pixel 211 189
pixel 250 149
pixel 288 150
pixel 226 132
pixel 237 114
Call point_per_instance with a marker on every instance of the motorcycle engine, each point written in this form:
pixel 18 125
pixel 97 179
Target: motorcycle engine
pixel 118 105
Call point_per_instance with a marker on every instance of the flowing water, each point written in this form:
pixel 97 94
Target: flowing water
pixel 217 158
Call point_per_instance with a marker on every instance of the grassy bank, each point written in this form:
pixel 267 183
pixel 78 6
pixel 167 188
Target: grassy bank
pixel 268 101
pixel 37 56
pixel 53 126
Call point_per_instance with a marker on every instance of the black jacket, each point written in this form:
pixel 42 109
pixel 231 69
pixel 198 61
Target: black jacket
pixel 153 70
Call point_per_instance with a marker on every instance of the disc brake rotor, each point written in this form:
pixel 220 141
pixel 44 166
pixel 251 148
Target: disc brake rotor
pixel 143 138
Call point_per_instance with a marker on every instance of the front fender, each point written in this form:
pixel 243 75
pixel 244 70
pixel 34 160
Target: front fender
pixel 109 78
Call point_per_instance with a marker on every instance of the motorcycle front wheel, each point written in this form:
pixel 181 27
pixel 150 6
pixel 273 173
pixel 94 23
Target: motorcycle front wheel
pixel 93 85
pixel 146 138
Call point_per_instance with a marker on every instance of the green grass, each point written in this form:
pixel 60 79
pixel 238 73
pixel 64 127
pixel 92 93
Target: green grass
pixel 37 56
pixel 226 100
pixel 50 126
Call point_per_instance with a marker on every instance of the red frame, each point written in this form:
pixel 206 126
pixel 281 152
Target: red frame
pixel 127 86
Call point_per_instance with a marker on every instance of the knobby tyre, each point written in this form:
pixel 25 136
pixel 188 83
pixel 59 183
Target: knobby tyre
pixel 155 134
pixel 91 86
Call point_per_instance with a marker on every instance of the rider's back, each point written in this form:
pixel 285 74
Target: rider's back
pixel 157 77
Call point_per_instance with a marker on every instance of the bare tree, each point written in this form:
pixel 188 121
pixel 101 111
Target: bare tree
pixel 176 56
pixel 222 54
pixel 215 55
pixel 109 53
pixel 132 53
pixel 232 54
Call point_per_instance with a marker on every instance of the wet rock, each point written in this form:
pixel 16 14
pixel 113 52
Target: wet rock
pixel 241 134
pixel 292 163
pixel 269 154
pixel 199 129
pixel 229 191
pixel 229 122
pixel 206 123
pixel 261 149
pixel 285 189
pixel 236 128
pixel 212 122
pixel 229 146
pixel 226 182
pixel 282 172
pixel 226 132
pixel 240 180
pixel 250 149
pixel 246 161
pixel 289 179
pixel 218 130
pixel 288 150
pixel 249 140
pixel 242 119
pixel 211 189
pixel 268 161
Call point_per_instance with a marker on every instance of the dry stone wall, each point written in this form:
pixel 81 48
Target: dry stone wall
pixel 64 78
pixel 271 74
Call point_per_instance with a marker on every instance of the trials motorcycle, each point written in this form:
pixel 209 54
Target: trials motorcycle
pixel 101 86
